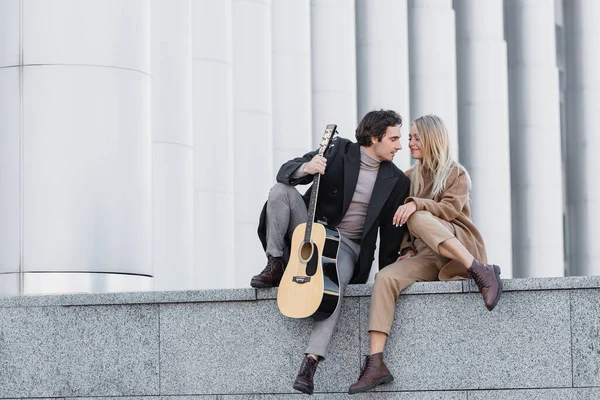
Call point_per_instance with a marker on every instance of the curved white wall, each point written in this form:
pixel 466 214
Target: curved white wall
pixel 10 167
pixel 253 138
pixel 85 141
pixel 292 112
pixel 483 122
pixel 10 17
pixel 10 147
pixel 382 63
pixel 333 44
pixel 146 133
pixel 583 144
pixel 172 145
pixel 213 143
pixel 109 33
pixel 535 139
pixel 86 156
pixel 432 59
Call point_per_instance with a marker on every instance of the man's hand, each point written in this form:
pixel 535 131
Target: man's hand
pixel 316 166
pixel 403 213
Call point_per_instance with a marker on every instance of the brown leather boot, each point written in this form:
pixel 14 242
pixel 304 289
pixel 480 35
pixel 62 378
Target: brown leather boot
pixel 487 278
pixel 271 275
pixel 374 373
pixel 304 381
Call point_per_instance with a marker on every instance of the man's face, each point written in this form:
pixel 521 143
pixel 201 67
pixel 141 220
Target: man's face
pixel 389 145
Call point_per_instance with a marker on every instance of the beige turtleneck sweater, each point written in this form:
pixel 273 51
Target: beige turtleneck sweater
pixel 354 219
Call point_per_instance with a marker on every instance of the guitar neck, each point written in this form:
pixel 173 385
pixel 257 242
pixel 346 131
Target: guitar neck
pixel 312 207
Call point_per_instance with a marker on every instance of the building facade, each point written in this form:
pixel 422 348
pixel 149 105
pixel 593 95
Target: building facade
pixel 139 138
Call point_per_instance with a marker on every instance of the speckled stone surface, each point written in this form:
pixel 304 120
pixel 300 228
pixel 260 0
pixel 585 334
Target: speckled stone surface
pixel 415 288
pixel 226 344
pixel 525 394
pixel 115 398
pixel 207 397
pixel 79 351
pixel 195 397
pixel 217 348
pixel 450 341
pixel 266 294
pixel 249 294
pixel 587 394
pixel 366 289
pixel 468 286
pixel 76 299
pixel 585 308
pixel 121 398
pixel 527 284
pixel 360 396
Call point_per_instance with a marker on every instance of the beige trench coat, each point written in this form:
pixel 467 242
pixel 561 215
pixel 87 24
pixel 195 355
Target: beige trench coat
pixel 452 206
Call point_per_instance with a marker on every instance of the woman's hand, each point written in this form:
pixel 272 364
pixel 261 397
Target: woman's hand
pixel 403 212
pixel 409 253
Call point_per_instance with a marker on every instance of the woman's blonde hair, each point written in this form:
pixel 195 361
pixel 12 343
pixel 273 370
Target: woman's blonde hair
pixel 437 158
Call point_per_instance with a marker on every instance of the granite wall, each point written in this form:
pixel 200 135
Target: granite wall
pixel 542 342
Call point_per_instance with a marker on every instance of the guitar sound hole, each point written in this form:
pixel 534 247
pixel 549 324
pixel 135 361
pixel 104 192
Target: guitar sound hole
pixel 306 251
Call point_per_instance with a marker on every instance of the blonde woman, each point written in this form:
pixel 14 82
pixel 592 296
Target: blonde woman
pixel 442 243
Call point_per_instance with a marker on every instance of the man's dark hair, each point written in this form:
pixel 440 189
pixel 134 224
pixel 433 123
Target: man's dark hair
pixel 374 124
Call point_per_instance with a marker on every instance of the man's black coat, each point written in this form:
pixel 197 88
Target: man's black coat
pixel 335 193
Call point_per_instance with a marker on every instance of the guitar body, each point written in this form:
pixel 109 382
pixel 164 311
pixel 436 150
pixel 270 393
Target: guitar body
pixel 309 286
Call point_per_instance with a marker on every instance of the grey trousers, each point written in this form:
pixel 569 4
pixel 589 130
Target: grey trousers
pixel 285 211
pixel 323 330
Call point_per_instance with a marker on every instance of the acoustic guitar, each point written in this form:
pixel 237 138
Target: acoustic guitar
pixel 309 286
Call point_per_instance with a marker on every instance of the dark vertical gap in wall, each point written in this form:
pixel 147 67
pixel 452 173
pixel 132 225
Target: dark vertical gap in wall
pixel 359 335
pixel 571 332
pixel 561 63
pixel 159 355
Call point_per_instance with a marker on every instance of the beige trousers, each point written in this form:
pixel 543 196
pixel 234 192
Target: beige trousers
pixel 428 231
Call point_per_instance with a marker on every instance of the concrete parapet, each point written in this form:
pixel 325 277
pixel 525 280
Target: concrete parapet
pixel 541 342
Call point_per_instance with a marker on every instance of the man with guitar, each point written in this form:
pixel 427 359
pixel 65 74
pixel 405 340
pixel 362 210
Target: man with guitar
pixel 360 190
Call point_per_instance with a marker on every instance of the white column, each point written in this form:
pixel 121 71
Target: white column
pixel 432 58
pixel 10 147
pixel 213 143
pixel 253 145
pixel 535 150
pixel 333 44
pixel 84 145
pixel 382 63
pixel 292 113
pixel 483 122
pixel 583 141
pixel 172 168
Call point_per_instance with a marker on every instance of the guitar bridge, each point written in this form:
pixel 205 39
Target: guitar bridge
pixel 301 279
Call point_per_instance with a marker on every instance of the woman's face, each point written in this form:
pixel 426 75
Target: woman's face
pixel 414 143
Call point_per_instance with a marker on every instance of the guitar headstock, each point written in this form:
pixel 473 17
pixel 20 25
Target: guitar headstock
pixel 330 131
